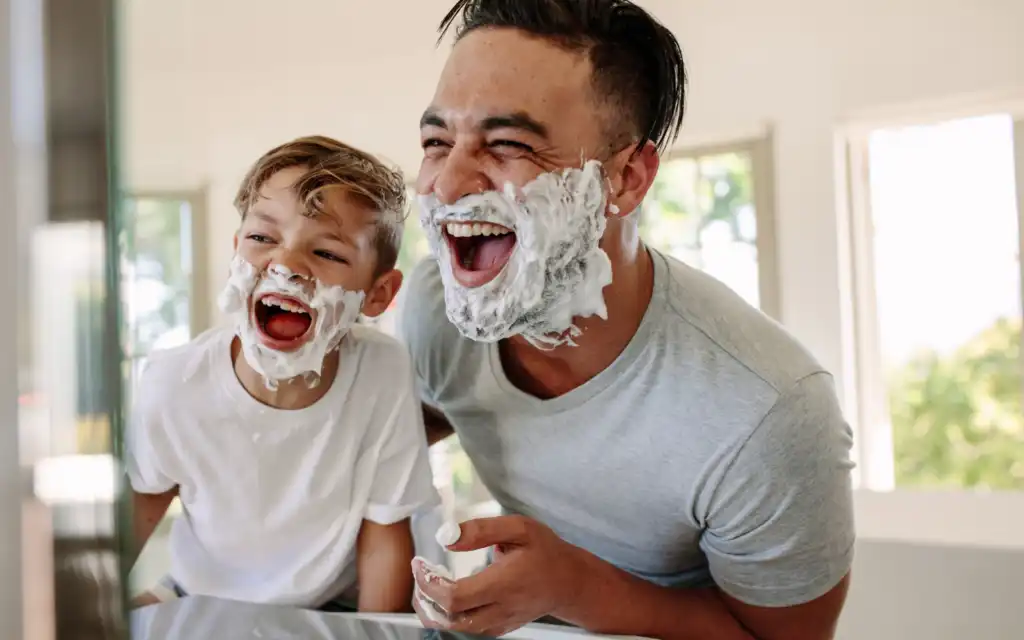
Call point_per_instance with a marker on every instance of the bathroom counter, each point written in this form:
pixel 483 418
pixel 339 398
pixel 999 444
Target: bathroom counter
pixel 204 618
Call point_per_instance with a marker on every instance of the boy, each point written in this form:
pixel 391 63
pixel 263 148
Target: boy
pixel 294 437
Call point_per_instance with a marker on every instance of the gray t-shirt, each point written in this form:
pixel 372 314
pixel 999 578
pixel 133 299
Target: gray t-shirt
pixel 713 448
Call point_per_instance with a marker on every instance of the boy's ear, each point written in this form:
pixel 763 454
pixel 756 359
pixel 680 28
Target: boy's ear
pixel 234 242
pixel 382 293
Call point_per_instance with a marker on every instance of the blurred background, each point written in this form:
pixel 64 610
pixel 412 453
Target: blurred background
pixel 855 169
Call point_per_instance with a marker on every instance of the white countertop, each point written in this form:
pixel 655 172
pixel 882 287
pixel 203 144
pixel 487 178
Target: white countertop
pixel 202 618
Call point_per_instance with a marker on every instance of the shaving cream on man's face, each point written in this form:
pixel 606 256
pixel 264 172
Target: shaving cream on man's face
pixel 523 261
pixel 287 323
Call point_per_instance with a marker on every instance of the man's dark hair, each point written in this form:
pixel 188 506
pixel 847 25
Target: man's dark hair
pixel 636 61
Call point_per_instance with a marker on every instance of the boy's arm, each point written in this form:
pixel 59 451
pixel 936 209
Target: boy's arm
pixel 148 510
pixel 384 554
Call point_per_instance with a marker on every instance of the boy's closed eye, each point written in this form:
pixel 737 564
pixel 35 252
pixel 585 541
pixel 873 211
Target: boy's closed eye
pixel 333 257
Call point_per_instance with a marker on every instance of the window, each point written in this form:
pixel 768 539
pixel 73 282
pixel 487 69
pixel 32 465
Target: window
pixel 936 242
pixel 158 283
pixel 712 209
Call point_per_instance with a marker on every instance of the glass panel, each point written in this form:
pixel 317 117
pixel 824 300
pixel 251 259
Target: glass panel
pixel 947 280
pixel 701 211
pixel 156 274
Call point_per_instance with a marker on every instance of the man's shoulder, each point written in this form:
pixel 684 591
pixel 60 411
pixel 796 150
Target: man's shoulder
pixel 423 323
pixel 719 320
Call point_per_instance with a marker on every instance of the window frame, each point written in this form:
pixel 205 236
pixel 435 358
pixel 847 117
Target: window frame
pixel 884 511
pixel 760 149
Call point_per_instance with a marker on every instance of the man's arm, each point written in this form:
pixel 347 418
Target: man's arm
pixel 437 425
pixel 660 612
pixel 384 553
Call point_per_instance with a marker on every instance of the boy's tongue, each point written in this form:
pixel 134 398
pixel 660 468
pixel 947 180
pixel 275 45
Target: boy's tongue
pixel 491 251
pixel 286 325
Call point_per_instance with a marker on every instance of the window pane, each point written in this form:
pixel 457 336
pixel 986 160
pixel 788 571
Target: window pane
pixel 947 279
pixel 701 211
pixel 156 274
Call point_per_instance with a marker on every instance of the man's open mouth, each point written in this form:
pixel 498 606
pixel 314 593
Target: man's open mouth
pixel 284 323
pixel 479 250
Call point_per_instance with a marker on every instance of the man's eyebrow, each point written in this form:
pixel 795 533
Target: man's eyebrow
pixel 430 118
pixel 516 120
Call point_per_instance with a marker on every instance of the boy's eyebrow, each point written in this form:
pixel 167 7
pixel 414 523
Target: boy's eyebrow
pixel 262 215
pixel 332 235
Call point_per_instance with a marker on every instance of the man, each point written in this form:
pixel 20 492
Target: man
pixel 673 463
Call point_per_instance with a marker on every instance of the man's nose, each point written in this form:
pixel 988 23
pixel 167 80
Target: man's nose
pixel 459 177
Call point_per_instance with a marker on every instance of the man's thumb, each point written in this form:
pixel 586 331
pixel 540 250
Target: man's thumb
pixel 482 533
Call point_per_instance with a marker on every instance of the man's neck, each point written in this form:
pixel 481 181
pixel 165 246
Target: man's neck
pixel 548 374
pixel 290 394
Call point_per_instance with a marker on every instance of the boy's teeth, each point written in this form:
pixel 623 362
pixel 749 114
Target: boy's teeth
pixel 470 229
pixel 284 304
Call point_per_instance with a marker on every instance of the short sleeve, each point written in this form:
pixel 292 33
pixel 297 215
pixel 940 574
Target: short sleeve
pixel 147 449
pixel 780 528
pixel 402 483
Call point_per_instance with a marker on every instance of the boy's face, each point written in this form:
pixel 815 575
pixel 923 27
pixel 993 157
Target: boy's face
pixel 336 247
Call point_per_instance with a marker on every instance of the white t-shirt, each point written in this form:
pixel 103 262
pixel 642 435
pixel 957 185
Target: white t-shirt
pixel 273 499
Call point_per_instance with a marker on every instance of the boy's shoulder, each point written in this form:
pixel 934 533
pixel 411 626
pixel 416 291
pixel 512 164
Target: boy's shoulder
pixel 193 364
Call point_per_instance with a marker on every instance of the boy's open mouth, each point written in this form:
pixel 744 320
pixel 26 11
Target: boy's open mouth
pixel 479 250
pixel 284 323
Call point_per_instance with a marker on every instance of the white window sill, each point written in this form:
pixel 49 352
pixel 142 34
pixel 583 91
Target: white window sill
pixel 953 518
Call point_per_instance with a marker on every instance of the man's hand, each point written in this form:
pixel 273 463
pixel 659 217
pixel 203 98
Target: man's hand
pixel 534 574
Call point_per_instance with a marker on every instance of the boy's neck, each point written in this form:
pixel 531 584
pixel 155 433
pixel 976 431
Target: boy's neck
pixel 290 394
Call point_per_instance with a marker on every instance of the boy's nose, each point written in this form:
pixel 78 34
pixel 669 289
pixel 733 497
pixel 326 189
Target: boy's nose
pixel 287 264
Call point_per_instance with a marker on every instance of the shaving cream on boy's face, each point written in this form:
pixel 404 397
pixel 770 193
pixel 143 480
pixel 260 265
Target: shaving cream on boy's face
pixel 287 323
pixel 523 261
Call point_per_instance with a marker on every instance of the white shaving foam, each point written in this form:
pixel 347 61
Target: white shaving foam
pixel 448 534
pixel 336 309
pixel 556 272
pixel 432 572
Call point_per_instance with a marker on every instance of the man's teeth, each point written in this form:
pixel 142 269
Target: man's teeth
pixel 470 229
pixel 284 304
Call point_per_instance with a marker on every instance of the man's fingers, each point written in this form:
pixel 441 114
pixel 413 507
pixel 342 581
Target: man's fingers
pixel 483 588
pixel 487 532
pixel 490 620
pixel 428 612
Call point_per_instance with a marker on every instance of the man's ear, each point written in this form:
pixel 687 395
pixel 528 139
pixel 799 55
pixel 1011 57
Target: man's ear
pixel 630 184
pixel 382 293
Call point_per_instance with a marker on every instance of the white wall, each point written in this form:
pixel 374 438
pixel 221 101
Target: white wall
pixel 211 84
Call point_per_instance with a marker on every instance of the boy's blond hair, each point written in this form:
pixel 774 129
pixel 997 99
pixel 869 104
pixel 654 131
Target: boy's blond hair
pixel 331 164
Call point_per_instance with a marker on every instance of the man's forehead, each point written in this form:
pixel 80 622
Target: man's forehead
pixel 498 72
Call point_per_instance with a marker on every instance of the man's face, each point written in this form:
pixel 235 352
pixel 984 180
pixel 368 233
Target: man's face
pixel 508 107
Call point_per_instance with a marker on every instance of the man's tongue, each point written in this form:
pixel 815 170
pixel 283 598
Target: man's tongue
pixel 286 325
pixel 491 251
